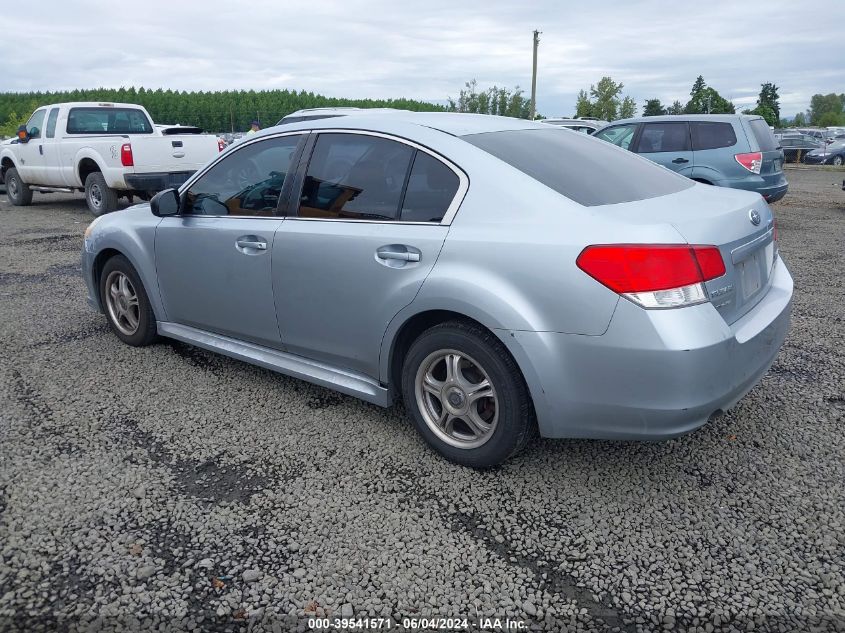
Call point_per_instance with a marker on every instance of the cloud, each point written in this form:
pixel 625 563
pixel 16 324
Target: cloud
pixel 428 50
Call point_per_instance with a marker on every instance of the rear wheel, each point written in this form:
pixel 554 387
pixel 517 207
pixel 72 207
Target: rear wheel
pixel 127 306
pixel 466 395
pixel 100 197
pixel 17 190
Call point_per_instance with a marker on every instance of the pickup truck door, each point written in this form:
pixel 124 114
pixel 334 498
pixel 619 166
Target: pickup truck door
pixel 30 155
pixel 51 169
pixel 213 259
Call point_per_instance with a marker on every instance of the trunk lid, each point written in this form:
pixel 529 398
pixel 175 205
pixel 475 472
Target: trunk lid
pixel 721 217
pixel 173 153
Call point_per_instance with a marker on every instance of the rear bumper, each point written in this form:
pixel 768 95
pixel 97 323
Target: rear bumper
pixel 772 188
pixel 654 374
pixel 157 181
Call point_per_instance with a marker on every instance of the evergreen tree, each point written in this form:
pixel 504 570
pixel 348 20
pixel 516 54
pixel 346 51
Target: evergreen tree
pixel 653 107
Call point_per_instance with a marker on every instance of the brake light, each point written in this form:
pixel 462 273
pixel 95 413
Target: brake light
pixel 221 144
pixel 654 275
pixel 126 158
pixel 753 161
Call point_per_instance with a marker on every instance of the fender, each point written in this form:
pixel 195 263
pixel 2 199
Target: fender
pixel 73 179
pixel 706 173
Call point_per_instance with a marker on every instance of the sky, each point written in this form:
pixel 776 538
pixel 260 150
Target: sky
pixel 428 49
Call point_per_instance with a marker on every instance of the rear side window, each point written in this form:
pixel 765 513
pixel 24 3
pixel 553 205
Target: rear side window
pixel 663 137
pixel 51 122
pixel 355 177
pixel 711 135
pixel 580 167
pixel 764 136
pixel 431 188
pixel 108 121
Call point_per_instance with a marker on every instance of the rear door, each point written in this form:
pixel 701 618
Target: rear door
pixel 715 143
pixel 213 260
pixel 51 173
pixel 667 143
pixel 367 231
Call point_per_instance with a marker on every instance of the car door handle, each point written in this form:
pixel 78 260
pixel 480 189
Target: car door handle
pixel 248 243
pixel 403 256
pixel 41 150
pixel 679 161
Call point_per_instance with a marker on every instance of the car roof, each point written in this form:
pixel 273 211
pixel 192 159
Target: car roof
pixel 454 123
pixel 688 117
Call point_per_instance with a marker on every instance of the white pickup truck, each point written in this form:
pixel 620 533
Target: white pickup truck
pixel 107 150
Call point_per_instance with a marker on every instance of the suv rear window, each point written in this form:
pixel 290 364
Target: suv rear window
pixel 764 136
pixel 584 169
pixel 108 121
pixel 710 135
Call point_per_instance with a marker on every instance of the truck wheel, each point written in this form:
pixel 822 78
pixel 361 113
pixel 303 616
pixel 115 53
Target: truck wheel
pixel 100 197
pixel 18 191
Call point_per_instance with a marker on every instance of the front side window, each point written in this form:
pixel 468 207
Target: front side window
pixel 712 135
pixel 620 135
pixel 51 122
pixel 35 124
pixel 107 120
pixel 663 137
pixel 355 177
pixel 247 182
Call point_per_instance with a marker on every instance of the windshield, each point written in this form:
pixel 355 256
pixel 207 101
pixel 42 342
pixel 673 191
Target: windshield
pixel 589 171
pixel 108 120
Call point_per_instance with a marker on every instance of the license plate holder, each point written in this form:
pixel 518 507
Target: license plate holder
pixel 749 273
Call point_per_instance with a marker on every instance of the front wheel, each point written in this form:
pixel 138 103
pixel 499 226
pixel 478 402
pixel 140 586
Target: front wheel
pixel 837 160
pixel 127 306
pixel 466 395
pixel 17 190
pixel 100 197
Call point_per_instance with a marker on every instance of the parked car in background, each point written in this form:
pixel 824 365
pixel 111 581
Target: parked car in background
pixel 106 150
pixel 579 125
pixel 726 150
pixel 455 261
pixel 796 147
pixel 833 154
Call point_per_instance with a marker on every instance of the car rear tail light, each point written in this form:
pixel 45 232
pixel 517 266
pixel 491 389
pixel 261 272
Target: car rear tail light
pixel 126 158
pixel 221 145
pixel 654 275
pixel 753 161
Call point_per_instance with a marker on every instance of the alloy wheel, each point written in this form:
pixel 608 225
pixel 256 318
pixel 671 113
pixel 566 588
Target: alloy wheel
pixel 122 303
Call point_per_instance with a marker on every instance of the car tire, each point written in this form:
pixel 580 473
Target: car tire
pixel 837 160
pixel 443 374
pixel 126 304
pixel 17 190
pixel 100 197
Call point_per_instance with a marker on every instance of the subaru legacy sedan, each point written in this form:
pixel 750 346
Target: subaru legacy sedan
pixel 498 275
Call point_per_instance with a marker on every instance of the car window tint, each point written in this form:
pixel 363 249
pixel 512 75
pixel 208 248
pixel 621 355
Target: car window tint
pixel 764 136
pixel 711 135
pixel 663 137
pixel 51 123
pixel 35 124
pixel 248 181
pixel 355 177
pixel 620 135
pixel 431 188
pixel 578 166
pixel 109 120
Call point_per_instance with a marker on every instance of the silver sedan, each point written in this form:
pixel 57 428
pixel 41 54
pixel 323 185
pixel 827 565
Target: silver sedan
pixel 500 276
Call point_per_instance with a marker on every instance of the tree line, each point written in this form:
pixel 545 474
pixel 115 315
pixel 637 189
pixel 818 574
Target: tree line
pixel 215 111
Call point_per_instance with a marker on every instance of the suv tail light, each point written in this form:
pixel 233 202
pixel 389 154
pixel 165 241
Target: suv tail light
pixel 753 161
pixel 654 275
pixel 126 158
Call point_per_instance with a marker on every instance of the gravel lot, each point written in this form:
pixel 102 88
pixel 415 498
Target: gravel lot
pixel 168 488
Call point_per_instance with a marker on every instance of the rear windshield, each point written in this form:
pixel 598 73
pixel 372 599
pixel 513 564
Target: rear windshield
pixel 108 121
pixel 765 138
pixel 589 171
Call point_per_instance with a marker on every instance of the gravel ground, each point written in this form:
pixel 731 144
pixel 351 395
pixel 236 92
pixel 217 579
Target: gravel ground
pixel 168 488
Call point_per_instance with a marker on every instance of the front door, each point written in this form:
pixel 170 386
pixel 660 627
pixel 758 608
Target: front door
pixel 668 144
pixel 214 259
pixel 30 154
pixel 367 232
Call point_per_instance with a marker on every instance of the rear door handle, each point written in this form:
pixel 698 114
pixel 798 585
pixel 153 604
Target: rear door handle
pixel 252 243
pixel 679 161
pixel 41 150
pixel 399 255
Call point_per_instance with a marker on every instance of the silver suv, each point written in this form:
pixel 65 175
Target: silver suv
pixel 726 150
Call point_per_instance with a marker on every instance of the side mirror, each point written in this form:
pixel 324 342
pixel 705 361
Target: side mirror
pixel 165 203
pixel 23 135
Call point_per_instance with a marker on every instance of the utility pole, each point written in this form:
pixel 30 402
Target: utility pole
pixel 534 77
